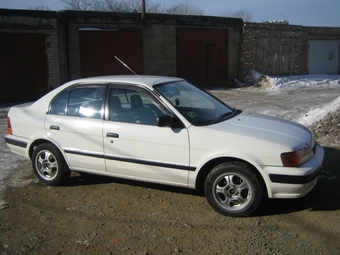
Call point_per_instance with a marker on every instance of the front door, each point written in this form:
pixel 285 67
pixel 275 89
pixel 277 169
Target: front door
pixel 135 147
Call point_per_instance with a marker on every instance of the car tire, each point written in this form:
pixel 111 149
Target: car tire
pixel 233 189
pixel 49 165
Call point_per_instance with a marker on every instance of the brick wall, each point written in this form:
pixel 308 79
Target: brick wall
pixel 253 31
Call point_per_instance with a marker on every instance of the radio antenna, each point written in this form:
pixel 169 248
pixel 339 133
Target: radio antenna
pixel 126 66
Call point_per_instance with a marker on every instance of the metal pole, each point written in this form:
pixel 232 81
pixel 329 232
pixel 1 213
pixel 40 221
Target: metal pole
pixel 143 10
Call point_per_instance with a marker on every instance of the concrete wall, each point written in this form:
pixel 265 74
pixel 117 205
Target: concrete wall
pixel 61 31
pixel 159 37
pixel 159 45
pixel 235 40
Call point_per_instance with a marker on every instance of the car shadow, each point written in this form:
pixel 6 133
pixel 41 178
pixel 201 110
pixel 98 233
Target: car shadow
pixel 324 197
pixel 79 179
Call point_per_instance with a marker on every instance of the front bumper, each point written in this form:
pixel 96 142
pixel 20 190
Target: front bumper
pixel 294 182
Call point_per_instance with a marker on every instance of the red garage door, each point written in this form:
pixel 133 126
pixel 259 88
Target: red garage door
pixel 202 56
pixel 23 67
pixel 99 48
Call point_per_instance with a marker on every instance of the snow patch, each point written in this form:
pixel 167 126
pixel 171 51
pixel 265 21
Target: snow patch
pixel 317 114
pixel 303 81
pixel 257 79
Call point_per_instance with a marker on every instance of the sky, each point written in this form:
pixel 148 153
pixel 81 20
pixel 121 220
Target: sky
pixel 321 13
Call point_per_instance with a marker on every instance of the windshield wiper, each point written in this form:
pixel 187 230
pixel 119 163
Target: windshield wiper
pixel 224 115
pixel 233 113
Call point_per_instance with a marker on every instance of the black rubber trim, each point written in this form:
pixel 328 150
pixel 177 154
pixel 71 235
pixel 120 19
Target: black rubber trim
pixel 135 161
pixel 150 163
pixel 15 142
pixel 292 179
pixel 84 154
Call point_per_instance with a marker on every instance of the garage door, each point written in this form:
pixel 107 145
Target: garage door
pixel 275 56
pixel 23 67
pixel 99 48
pixel 323 56
pixel 202 56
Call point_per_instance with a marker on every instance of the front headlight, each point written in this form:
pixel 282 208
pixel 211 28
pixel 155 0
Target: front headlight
pixel 296 158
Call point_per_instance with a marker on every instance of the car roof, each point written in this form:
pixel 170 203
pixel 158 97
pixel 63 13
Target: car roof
pixel 141 80
pixel 146 80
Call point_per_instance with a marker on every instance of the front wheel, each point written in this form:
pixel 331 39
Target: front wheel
pixel 233 189
pixel 49 165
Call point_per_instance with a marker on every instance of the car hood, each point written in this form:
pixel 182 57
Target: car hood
pixel 271 129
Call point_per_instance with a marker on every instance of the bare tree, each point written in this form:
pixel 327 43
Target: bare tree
pixel 83 5
pixel 184 8
pixel 128 6
pixel 132 6
pixel 242 14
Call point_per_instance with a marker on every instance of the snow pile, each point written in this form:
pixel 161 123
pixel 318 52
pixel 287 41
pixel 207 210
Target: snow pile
pixel 252 78
pixel 303 81
pixel 317 115
pixel 325 122
pixel 256 79
pixel 282 22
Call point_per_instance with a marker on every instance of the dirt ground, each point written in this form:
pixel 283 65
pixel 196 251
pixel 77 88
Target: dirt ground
pixel 101 215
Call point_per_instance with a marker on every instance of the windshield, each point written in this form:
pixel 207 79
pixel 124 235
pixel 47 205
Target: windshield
pixel 197 106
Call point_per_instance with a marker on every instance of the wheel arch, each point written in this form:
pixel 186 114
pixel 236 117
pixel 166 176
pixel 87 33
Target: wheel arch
pixel 207 167
pixel 48 162
pixel 41 141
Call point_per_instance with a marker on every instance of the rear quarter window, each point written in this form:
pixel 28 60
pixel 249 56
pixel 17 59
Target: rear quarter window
pixel 58 106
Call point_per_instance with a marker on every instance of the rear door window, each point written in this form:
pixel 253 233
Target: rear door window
pixel 84 102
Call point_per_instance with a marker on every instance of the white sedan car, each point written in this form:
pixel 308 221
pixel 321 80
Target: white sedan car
pixel 165 130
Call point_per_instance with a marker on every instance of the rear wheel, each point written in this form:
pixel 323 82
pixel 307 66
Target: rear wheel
pixel 233 189
pixel 49 165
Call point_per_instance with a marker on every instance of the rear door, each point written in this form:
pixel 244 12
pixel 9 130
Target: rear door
pixel 135 147
pixel 74 122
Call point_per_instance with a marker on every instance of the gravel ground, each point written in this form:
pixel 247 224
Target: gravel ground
pixel 101 215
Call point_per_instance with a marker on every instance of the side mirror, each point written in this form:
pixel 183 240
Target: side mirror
pixel 165 121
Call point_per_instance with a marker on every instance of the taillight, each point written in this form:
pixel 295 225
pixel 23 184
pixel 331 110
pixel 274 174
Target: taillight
pixel 9 126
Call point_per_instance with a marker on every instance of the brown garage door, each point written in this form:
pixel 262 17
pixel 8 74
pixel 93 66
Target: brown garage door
pixel 23 67
pixel 99 48
pixel 202 56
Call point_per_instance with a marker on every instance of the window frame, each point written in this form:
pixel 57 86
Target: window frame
pixel 154 97
pixel 74 87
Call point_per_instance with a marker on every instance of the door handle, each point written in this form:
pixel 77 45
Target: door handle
pixel 53 127
pixel 114 135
